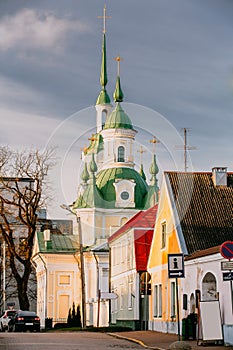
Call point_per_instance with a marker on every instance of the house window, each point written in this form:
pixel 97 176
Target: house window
pixel 164 231
pixel 64 279
pixel 130 296
pixel 158 300
pixel 121 154
pixel 129 251
pixel 122 297
pixel 173 300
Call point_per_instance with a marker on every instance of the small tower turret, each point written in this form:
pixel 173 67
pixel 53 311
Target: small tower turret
pixel 103 105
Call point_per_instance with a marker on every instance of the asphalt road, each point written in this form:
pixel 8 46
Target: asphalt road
pixel 63 341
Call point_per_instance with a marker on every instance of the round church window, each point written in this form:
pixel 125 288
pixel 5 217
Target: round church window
pixel 125 195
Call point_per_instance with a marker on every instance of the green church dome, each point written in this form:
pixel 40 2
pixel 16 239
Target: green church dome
pixel 106 178
pixel 118 119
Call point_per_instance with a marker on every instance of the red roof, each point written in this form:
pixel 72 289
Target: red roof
pixel 142 244
pixel 143 219
pixel 143 225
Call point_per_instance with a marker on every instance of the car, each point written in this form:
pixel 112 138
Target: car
pixel 23 321
pixel 5 318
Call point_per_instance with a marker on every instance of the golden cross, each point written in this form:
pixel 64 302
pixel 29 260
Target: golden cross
pixel 92 138
pixel 104 18
pixel 118 59
pixel 154 141
pixel 141 151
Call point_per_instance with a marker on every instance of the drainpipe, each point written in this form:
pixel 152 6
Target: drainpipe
pixel 46 274
pixel 98 290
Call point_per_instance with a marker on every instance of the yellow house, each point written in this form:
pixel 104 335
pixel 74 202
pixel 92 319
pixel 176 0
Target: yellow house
pixel 194 214
pixel 162 311
pixel 55 259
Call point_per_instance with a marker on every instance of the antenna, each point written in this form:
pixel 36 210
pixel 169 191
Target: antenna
pixel 185 148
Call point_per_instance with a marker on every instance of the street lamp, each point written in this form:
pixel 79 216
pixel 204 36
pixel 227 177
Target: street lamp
pixel 66 207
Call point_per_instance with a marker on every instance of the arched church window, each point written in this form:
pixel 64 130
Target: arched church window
pixel 209 287
pixel 123 221
pixel 192 303
pixel 104 117
pixel 121 154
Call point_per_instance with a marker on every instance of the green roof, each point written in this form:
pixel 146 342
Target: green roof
pixel 106 178
pixel 59 243
pixel 118 93
pixel 118 119
pixel 96 145
pixel 103 98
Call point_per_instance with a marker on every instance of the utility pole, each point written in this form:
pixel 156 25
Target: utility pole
pixel 185 148
pixel 82 270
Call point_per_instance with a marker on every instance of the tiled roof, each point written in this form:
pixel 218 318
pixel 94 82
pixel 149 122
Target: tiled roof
pixel 59 243
pixel 205 211
pixel 143 219
pixel 202 253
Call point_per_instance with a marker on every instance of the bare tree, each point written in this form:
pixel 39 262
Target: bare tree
pixel 23 191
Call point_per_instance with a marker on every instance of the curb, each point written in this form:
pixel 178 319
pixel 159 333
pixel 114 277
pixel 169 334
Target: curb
pixel 139 342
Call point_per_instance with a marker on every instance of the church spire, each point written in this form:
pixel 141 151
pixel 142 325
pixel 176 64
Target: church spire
pixel 118 93
pixel 103 97
pixel 153 190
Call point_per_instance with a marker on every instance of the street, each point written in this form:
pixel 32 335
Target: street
pixel 63 340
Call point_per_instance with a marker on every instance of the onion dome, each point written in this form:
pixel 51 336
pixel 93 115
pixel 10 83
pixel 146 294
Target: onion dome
pixel 118 119
pixel 85 174
pixel 107 177
pixel 92 165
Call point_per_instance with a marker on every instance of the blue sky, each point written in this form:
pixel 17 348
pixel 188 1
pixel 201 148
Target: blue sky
pixel 177 62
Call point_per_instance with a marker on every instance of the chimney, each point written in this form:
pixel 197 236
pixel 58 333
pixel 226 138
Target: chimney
pixel 219 176
pixel 47 239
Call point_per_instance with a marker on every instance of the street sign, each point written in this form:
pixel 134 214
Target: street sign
pixel 227 276
pixel 175 265
pixel 226 265
pixel 226 250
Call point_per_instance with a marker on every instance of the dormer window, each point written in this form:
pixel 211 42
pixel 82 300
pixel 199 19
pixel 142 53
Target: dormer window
pixel 121 154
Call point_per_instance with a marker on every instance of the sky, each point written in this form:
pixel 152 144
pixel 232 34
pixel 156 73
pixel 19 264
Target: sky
pixel 176 72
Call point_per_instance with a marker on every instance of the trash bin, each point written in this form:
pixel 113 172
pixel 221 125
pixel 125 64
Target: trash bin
pixel 48 323
pixel 192 326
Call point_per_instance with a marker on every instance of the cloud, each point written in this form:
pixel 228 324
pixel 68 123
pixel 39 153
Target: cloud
pixel 32 29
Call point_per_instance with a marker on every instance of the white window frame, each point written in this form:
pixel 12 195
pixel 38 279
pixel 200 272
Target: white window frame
pixel 163 234
pixel 173 299
pixel 158 302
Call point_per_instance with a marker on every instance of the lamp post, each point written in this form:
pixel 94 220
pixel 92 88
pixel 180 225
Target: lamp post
pixel 66 207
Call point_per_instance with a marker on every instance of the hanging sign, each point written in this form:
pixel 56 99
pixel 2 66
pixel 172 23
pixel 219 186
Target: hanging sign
pixel 175 265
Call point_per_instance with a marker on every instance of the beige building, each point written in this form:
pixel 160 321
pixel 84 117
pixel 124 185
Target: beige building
pixel 58 275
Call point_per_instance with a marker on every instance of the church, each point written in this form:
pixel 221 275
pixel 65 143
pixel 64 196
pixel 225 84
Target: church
pixel 111 191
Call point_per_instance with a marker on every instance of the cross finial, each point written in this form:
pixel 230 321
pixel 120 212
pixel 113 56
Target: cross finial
pixel 141 151
pixel 104 19
pixel 92 138
pixel 118 59
pixel 154 141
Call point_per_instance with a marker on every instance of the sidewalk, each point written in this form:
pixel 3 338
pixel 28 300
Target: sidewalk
pixel 157 340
